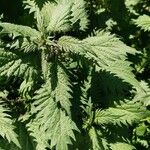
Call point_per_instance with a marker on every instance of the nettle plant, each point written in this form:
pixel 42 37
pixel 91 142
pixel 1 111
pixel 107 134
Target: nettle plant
pixel 58 78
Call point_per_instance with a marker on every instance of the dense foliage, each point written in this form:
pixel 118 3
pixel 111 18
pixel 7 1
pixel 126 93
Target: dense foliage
pixel 74 75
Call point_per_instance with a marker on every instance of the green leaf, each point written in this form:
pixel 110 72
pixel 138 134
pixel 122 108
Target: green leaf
pixel 49 19
pixel 105 51
pixel 97 141
pixel 80 17
pixel 143 22
pixel 143 95
pixel 141 130
pixel 51 119
pixel 23 44
pixel 122 146
pixel 62 90
pixel 126 113
pixel 25 140
pixel 19 30
pixel 60 20
pixel 12 64
pixel 62 132
pixel 6 126
pixel 73 45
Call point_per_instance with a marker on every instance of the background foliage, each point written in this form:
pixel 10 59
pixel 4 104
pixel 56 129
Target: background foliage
pixel 74 74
